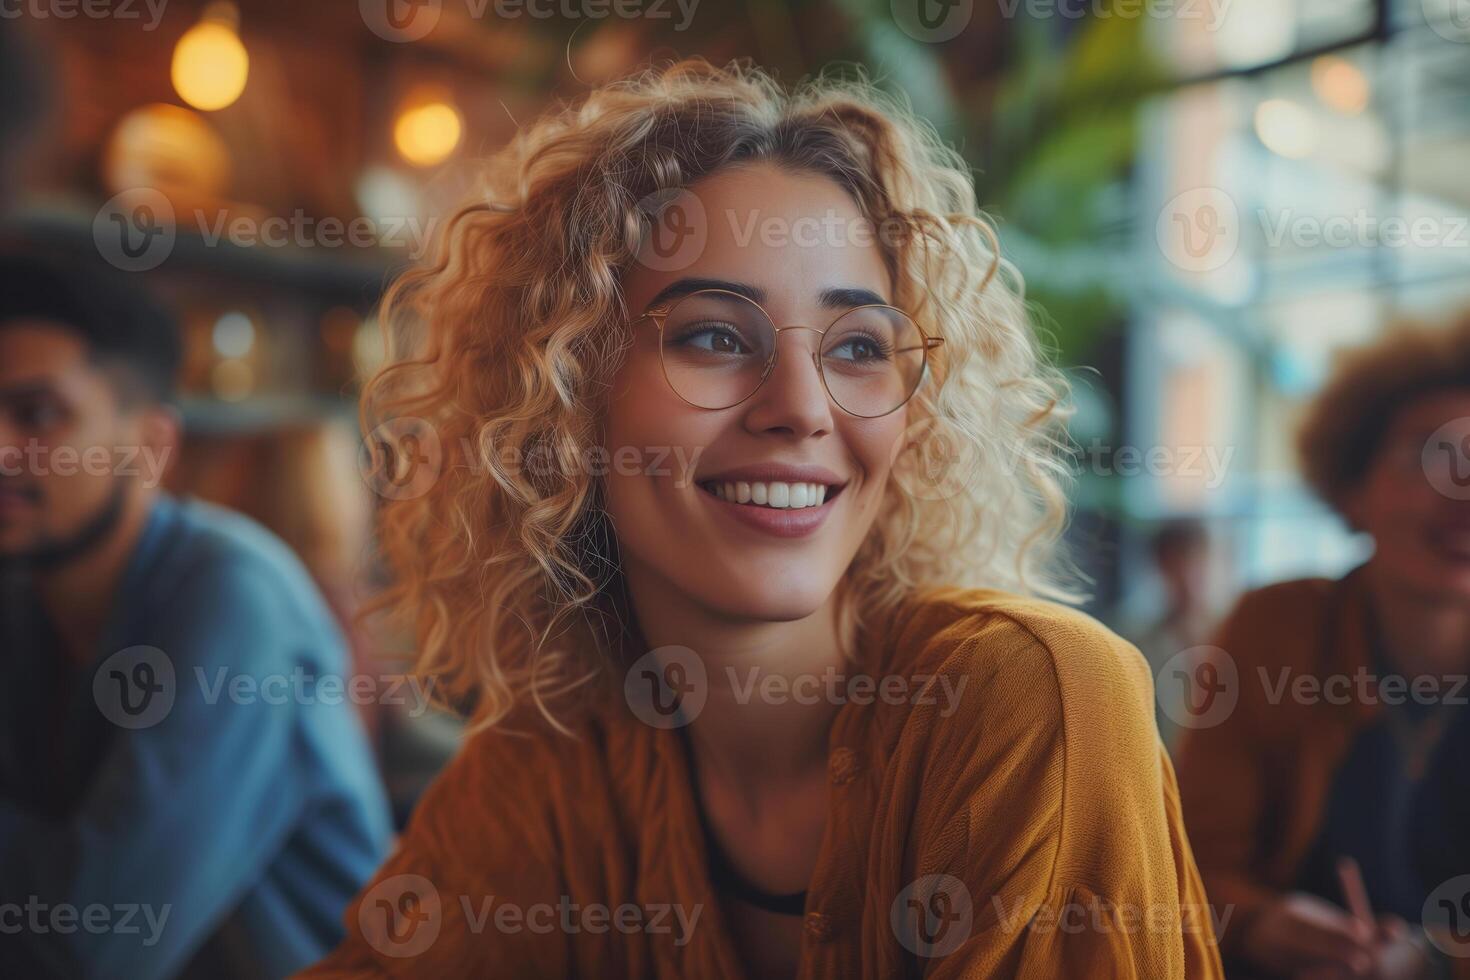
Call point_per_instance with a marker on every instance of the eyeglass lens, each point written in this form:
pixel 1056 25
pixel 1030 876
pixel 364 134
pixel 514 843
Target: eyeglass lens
pixel 717 346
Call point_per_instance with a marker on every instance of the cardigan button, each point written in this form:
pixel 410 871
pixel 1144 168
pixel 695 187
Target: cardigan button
pixel 842 766
pixel 820 927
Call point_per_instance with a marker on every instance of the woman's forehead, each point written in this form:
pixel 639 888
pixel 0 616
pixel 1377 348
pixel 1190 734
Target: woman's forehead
pixel 794 236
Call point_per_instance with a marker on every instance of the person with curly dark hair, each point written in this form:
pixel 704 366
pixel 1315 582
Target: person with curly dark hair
pixel 1337 784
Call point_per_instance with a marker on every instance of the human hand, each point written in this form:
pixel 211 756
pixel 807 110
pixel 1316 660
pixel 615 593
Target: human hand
pixel 1298 933
pixel 1397 955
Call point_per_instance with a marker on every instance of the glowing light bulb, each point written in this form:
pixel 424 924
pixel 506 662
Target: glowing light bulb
pixel 210 65
pixel 426 134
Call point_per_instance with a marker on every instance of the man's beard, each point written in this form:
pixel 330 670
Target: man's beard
pixel 52 552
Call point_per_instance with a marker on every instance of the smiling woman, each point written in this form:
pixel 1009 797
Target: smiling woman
pixel 807 689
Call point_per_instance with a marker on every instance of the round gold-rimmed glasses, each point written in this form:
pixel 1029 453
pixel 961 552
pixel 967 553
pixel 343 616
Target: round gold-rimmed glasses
pixel 717 348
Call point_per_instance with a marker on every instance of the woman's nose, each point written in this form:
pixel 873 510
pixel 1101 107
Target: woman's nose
pixel 793 395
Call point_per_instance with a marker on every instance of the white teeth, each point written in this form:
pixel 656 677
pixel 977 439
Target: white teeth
pixel 784 496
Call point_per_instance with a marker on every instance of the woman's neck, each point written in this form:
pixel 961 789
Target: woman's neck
pixel 1423 633
pixel 770 687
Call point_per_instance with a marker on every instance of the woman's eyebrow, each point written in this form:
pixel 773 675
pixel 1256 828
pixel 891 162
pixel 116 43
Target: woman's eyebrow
pixel 683 287
pixel 839 298
pixel 850 296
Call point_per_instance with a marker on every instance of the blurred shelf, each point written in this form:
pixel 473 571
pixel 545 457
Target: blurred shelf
pixel 214 416
pixel 346 274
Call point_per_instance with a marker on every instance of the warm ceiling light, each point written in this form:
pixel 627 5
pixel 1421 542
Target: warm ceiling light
pixel 210 63
pixel 427 133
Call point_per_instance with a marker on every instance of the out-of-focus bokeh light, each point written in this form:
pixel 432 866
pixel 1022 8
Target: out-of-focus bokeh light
pixel 1253 32
pixel 427 132
pixel 167 147
pixel 388 196
pixel 233 334
pixel 367 348
pixel 1286 128
pixel 210 63
pixel 1340 84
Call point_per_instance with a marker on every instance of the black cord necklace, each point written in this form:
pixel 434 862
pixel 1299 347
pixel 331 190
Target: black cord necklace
pixel 725 876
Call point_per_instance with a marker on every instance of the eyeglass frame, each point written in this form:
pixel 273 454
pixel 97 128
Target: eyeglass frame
pixel 659 314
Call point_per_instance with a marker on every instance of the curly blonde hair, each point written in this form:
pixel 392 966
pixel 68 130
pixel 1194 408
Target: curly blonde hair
pixel 1342 429
pixel 505 342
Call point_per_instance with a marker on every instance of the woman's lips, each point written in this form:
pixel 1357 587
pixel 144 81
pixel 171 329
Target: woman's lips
pixel 781 522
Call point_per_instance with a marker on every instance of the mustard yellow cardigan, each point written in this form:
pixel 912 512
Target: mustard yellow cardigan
pixel 1013 814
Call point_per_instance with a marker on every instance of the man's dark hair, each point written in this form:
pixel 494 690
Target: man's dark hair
pixel 121 325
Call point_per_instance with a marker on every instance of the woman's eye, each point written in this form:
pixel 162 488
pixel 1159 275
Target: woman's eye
pixel 862 349
pixel 718 339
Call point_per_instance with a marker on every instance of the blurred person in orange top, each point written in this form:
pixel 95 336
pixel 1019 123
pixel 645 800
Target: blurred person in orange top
pixel 1333 729
pixel 752 698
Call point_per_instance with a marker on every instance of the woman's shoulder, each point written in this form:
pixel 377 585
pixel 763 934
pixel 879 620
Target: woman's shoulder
pixel 1053 738
pixel 1073 666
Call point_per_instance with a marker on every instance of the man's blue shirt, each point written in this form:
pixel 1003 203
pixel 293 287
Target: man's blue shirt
pixel 211 781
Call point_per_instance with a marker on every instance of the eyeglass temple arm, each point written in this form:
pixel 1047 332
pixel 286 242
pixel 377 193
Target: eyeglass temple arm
pixel 929 344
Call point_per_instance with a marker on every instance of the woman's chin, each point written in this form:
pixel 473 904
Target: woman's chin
pixel 770 599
